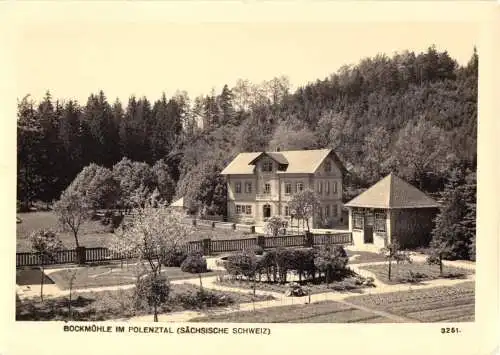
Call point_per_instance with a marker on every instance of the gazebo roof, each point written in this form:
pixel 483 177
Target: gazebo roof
pixel 392 192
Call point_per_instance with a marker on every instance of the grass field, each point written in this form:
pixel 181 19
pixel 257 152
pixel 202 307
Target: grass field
pixel 109 275
pixel 365 257
pixel 118 304
pixel 438 304
pixel 93 234
pixel 423 272
pixel 321 312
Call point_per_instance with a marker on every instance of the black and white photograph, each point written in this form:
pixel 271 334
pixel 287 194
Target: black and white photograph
pixel 207 173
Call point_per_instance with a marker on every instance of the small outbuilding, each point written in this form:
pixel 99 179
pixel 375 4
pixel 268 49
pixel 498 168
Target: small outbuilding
pixel 180 206
pixel 390 210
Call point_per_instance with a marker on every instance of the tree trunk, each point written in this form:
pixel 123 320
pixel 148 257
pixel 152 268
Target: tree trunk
pixel 389 275
pixel 75 234
pixel 41 282
pixel 440 265
pixel 69 305
pixel 201 284
pixel 155 311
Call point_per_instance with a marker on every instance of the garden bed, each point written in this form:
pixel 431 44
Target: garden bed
pixel 320 312
pixel 111 275
pixel 119 304
pixel 353 282
pixel 437 304
pixel 401 273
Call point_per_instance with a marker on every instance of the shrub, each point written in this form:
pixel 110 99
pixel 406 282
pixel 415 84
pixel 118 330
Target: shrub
pixel 201 299
pixel 151 290
pixel 242 264
pixel 174 257
pixel 258 250
pixel 194 263
pixel 332 261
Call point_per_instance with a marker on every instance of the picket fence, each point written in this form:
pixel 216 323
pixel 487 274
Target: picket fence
pixel 205 246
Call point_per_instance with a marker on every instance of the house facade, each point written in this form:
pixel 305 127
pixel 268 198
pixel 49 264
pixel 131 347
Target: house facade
pixel 392 210
pixel 261 184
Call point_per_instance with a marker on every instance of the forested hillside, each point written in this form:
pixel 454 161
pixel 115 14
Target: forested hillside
pixel 413 113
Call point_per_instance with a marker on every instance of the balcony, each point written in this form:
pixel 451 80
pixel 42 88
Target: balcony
pixel 266 197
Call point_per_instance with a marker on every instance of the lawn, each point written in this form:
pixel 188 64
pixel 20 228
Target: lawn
pixel 401 273
pixel 119 304
pixel 109 275
pixel 320 312
pixel 364 257
pixel 93 234
pixel 438 304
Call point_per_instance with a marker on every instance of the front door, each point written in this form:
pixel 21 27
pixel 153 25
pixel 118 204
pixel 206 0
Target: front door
pixel 368 233
pixel 266 211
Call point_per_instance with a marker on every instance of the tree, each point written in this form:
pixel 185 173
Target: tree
pixel 274 225
pixel 421 149
pixel 303 205
pixel 393 252
pixel 151 234
pixel 455 224
pixel 287 138
pixel 153 289
pixel 46 244
pixel 98 185
pixel 73 209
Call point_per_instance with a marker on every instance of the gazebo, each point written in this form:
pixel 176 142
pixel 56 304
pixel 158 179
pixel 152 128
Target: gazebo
pixel 390 210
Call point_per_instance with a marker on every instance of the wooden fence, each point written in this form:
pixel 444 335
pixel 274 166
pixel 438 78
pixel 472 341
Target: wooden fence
pixel 205 246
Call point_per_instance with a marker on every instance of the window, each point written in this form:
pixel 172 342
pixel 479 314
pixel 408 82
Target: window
pixel 238 209
pixel 267 166
pixel 320 187
pixel 299 186
pixel 248 187
pixel 334 211
pixel 357 220
pixel 237 188
pixel 380 223
pixel 335 187
pixel 327 187
pixel 286 210
pixel 248 209
pixel 327 210
pixel 288 188
pixel 328 167
pixel 267 188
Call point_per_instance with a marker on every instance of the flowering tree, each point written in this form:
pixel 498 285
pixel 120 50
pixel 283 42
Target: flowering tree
pixel 304 204
pixel 150 235
pixel 46 243
pixel 274 225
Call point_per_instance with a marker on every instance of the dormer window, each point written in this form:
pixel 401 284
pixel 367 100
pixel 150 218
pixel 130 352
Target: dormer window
pixel 267 166
pixel 328 167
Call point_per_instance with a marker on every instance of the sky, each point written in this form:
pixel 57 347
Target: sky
pixel 73 58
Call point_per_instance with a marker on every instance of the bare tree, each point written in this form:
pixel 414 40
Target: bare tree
pixel 304 204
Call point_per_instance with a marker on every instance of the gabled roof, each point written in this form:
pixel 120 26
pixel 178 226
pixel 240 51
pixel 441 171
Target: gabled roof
pixel 178 203
pixel 299 161
pixel 276 156
pixel 392 192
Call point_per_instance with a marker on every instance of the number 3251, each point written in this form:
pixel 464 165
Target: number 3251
pixel 450 330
